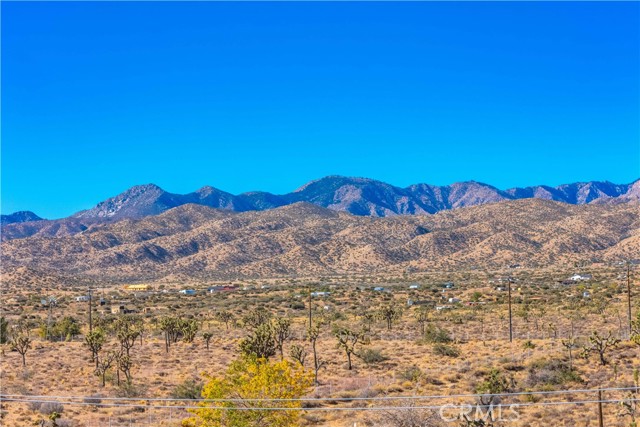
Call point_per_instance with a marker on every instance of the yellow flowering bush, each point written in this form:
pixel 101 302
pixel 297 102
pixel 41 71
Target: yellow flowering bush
pixel 253 378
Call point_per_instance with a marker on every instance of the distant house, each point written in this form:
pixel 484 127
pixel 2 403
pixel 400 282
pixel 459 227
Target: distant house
pixel 379 289
pixel 320 294
pixel 411 302
pixel 448 285
pixel 83 298
pixel 121 309
pixel 414 286
pixel 188 292
pixel 46 302
pixel 454 300
pixel 581 277
pixel 225 288
pixel 137 287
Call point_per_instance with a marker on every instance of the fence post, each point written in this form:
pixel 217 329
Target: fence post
pixel 600 418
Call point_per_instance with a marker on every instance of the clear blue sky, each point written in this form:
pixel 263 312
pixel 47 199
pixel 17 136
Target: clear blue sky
pixel 97 97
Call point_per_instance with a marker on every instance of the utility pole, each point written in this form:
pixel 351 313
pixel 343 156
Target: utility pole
pixel 310 321
pixel 629 296
pixel 49 316
pixel 90 320
pixel 510 312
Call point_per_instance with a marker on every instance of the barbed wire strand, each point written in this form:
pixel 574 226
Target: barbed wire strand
pixel 319 399
pixel 373 408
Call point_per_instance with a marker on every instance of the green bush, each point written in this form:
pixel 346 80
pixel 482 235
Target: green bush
pixel 434 334
pixel 551 372
pixel 412 373
pixel 372 355
pixel 188 389
pixel 446 350
pixel 127 389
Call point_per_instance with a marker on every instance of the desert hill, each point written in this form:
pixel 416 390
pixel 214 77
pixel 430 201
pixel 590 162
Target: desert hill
pixel 305 239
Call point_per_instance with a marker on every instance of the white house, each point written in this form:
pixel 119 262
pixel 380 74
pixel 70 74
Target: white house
pixel 320 294
pixel 83 298
pixel 581 277
pixel 414 287
pixel 188 292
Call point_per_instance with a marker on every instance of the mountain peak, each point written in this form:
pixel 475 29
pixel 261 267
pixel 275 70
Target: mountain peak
pixel 20 216
pixel 355 195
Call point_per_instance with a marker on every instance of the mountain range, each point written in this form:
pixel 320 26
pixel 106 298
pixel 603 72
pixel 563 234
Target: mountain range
pixel 192 241
pixel 357 196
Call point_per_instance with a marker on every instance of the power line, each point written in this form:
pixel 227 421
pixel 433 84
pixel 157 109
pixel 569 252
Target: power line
pixel 346 399
pixel 326 409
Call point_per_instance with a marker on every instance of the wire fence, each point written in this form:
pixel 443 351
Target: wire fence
pixel 153 411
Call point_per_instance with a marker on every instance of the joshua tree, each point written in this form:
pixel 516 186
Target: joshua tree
pixel 207 338
pixel 538 314
pixel 127 332
pixel 21 343
pixel 124 365
pixel 570 344
pixel 257 317
pixel 94 341
pixel 600 345
pixel 349 340
pixel 4 330
pixel 260 343
pixel 298 353
pixel 170 327
pixel 368 319
pixel 281 328
pixel 635 329
pixel 390 314
pixel 225 317
pixel 314 334
pixel 189 329
pixel 103 364
pixel 422 317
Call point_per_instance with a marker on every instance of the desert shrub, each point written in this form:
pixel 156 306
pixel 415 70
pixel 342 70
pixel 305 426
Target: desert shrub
pixel 128 389
pixel 189 389
pixel 407 417
pixel 49 408
pixel 34 406
pixel 251 378
pixel 297 305
pixel 446 350
pixel 550 372
pixel 372 355
pixel 65 329
pixel 95 399
pixel 434 334
pixel 412 373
